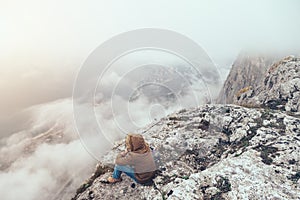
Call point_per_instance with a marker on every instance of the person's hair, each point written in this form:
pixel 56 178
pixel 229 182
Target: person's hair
pixel 136 143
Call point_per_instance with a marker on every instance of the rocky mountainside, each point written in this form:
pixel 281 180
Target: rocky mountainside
pixel 247 70
pixel 279 88
pixel 220 151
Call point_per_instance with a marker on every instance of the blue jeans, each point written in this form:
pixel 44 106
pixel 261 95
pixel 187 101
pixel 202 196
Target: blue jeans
pixel 129 171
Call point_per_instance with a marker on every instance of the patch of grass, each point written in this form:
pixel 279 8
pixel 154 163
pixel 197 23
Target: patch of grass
pixel 243 90
pixel 163 195
pixel 185 177
pixel 294 177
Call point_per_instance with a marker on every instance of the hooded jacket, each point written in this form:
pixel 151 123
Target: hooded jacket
pixel 139 156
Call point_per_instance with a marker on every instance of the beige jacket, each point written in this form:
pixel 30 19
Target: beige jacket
pixel 139 157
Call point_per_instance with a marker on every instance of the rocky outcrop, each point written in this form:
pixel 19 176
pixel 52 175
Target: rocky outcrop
pixel 279 89
pixel 222 151
pixel 213 152
pixel 247 71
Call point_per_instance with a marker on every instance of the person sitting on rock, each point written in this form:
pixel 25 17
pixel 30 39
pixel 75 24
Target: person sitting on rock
pixel 136 161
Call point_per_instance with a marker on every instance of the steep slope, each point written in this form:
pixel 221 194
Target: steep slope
pixel 247 70
pixel 222 151
pixel 279 89
pixel 214 152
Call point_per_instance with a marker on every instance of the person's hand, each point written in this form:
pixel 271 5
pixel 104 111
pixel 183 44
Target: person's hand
pixel 123 153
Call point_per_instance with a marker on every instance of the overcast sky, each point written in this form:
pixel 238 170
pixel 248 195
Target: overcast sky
pixel 43 43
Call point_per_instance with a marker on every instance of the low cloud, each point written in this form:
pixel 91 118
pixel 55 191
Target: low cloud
pixel 40 161
pixel 44 173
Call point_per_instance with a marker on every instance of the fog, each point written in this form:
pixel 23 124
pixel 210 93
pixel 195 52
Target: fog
pixel 39 161
pixel 44 44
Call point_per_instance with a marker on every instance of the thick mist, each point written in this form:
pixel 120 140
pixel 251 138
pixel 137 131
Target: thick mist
pixel 44 44
pixel 37 162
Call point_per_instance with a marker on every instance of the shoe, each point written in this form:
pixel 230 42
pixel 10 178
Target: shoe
pixel 113 180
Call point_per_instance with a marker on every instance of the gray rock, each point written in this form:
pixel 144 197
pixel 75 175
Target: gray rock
pixel 279 89
pixel 248 70
pixel 262 162
pixel 222 151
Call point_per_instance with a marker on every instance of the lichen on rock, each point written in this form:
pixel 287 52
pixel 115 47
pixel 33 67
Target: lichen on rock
pixel 215 164
pixel 245 151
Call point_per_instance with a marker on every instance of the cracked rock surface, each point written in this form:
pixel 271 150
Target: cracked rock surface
pixel 245 151
pixel 279 89
pixel 248 70
pixel 213 152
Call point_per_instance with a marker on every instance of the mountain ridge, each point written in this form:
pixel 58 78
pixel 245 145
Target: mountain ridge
pixel 218 151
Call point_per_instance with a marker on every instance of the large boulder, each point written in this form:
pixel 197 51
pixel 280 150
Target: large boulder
pixel 247 70
pixel 279 89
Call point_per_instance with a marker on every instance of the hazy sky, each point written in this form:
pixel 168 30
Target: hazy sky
pixel 43 43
